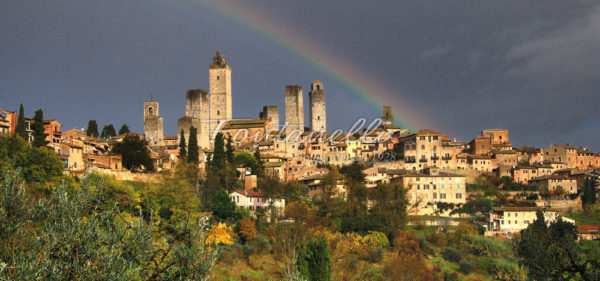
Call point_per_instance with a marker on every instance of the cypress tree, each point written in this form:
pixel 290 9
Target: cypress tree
pixel 260 166
pixel 313 261
pixel 124 129
pixel 92 129
pixel 39 137
pixel 193 150
pixel 182 149
pixel 108 131
pixel 589 192
pixel 20 127
pixel 229 151
pixel 218 157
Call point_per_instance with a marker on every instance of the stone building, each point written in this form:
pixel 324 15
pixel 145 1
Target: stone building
pixel 8 121
pixel 421 149
pixel 220 91
pixel 271 113
pixel 153 124
pixel 196 115
pixel 498 137
pixel 318 113
pixel 387 118
pixel 294 109
pixel 561 153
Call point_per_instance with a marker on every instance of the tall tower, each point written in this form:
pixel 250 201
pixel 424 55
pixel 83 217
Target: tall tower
pixel 220 91
pixel 197 115
pixel 271 112
pixel 387 118
pixel 153 124
pixel 294 109
pixel 318 114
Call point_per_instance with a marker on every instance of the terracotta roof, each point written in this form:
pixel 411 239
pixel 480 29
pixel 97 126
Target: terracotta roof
pixel 588 228
pixel 522 209
pixel 426 132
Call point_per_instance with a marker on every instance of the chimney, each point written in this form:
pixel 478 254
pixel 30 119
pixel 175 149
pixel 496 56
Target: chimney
pixel 250 183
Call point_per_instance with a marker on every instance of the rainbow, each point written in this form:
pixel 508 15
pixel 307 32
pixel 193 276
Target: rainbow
pixel 326 62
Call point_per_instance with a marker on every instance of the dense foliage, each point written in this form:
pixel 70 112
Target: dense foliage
pixel 135 153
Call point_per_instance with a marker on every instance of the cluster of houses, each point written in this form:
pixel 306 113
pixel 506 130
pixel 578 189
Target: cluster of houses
pixel 433 167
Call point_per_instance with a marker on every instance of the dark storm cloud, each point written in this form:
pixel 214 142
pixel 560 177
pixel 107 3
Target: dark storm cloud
pixel 527 66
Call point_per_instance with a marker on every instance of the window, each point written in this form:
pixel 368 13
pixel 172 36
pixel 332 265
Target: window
pixel 422 146
pixel 418 186
pixel 218 112
pixel 458 195
pixel 434 195
pixel 442 186
pixel 458 186
pixel 218 77
pixel 150 111
pixel 425 186
pixel 442 195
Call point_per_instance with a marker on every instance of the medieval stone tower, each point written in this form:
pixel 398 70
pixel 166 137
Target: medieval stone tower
pixel 318 116
pixel 196 114
pixel 387 118
pixel 294 109
pixel 153 124
pixel 220 91
pixel 271 112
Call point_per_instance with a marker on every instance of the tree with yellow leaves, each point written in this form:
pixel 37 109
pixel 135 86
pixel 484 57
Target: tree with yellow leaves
pixel 219 234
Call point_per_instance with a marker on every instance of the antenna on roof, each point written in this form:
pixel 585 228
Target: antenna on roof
pixel 150 97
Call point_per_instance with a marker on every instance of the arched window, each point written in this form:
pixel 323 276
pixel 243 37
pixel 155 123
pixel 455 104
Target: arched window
pixel 218 112
pixel 150 111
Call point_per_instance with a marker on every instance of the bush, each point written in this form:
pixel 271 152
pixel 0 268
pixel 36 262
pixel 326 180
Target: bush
pixel 465 266
pixel 451 254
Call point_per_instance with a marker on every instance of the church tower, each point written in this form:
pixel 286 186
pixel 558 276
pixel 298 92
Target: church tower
pixel 318 115
pixel 220 91
pixel 294 109
pixel 153 124
pixel 387 118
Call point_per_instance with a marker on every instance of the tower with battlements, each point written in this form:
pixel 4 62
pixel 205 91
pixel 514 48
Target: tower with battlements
pixel 318 114
pixel 271 113
pixel 294 109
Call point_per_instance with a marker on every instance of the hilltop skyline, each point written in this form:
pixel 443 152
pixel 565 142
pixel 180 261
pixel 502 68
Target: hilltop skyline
pixel 524 67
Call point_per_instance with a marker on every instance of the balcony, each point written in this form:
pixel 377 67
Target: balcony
pixel 435 157
pixel 422 160
pixel 409 160
pixel 447 157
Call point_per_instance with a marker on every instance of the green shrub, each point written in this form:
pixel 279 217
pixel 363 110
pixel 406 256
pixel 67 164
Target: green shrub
pixel 465 266
pixel 451 254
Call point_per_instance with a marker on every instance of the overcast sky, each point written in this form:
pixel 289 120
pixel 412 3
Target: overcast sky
pixel 528 66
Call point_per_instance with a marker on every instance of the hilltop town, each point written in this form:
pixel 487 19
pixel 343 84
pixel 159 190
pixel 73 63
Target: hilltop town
pixel 500 186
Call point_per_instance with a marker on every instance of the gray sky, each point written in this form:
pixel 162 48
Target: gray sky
pixel 528 66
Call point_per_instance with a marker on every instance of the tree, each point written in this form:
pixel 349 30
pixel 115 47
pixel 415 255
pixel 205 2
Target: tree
pixel 134 152
pixel 124 129
pixel 589 192
pixel 37 165
pixel 313 261
pixel 223 208
pixel 551 253
pixel 389 211
pixel 81 236
pixel 229 151
pixel 193 149
pixel 182 149
pixel 108 131
pixel 218 156
pixel 247 229
pixel 39 137
pixel 260 164
pixel 20 127
pixel 92 129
